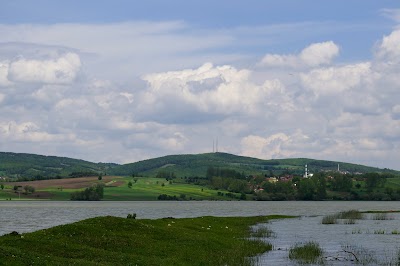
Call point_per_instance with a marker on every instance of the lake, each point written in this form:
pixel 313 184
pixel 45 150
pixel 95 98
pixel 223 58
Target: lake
pixel 28 216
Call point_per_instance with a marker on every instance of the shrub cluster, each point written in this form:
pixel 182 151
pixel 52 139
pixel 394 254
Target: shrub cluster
pixel 92 193
pixel 131 216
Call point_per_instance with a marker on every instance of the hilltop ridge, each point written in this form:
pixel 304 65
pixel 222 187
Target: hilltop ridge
pixel 45 167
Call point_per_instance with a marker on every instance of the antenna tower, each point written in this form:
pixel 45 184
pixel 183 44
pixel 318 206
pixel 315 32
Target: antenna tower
pixel 306 172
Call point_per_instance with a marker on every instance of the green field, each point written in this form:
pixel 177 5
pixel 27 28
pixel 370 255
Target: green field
pixel 150 188
pixel 121 241
pixel 145 188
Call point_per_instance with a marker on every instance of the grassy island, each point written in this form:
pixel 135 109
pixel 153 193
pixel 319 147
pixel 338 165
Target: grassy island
pixel 120 241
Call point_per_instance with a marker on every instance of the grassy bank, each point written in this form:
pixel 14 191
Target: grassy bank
pixel 120 241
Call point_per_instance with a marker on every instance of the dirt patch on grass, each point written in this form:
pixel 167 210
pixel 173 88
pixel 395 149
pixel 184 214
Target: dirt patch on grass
pixel 65 183
pixel 117 184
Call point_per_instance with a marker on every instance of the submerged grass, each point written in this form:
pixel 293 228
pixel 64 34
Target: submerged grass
pixel 119 241
pixel 382 216
pixel 349 221
pixel 360 255
pixel 309 252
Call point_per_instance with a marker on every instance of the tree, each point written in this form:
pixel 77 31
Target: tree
pixel 320 184
pixel 2 186
pixel 92 193
pixel 306 189
pixel 135 179
pixel 341 182
pixel 100 177
pixel 374 180
pixel 130 184
pixel 29 189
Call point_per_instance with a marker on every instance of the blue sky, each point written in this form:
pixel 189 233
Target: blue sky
pixel 122 81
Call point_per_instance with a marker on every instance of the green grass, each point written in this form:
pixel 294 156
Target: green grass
pixel 393 182
pixel 307 253
pixel 147 188
pixel 121 241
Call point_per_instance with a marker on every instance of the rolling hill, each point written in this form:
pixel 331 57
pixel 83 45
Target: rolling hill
pixel 46 167
pixel 196 165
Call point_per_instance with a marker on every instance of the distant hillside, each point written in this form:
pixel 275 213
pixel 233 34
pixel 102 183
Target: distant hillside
pixel 190 165
pixel 44 167
pixel 196 165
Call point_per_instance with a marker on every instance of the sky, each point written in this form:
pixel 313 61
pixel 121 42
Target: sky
pixel 122 81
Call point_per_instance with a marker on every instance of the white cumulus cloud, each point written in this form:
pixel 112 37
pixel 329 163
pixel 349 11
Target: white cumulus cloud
pixel 335 79
pixel 389 48
pixel 209 90
pixel 62 70
pixel 314 55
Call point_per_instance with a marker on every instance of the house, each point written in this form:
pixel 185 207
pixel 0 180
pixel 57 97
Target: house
pixel 272 179
pixel 286 178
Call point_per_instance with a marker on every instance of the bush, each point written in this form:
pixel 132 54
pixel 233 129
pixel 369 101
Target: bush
pixel 167 197
pixel 131 216
pixel 29 189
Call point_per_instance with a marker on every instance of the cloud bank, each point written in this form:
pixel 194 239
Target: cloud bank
pixel 109 99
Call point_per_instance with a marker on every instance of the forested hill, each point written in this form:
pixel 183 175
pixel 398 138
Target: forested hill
pixel 34 166
pixel 196 165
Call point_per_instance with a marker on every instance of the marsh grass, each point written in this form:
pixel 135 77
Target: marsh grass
pixel 351 214
pixel 379 232
pixel 348 217
pixel 119 241
pixel 309 252
pixel 262 231
pixel 329 219
pixel 356 231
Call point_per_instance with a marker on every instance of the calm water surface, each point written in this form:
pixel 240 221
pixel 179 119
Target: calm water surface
pixel 374 242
